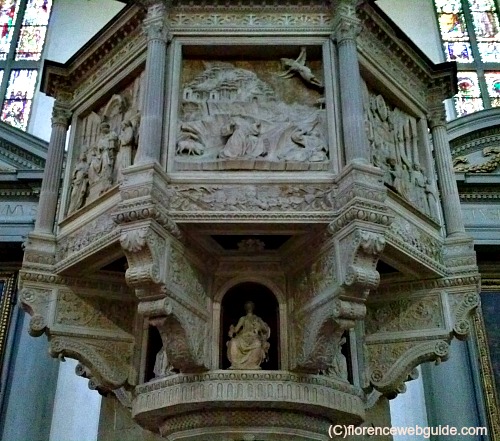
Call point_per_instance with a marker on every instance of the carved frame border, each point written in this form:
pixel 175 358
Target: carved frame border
pixel 6 305
pixel 490 392
pixel 175 58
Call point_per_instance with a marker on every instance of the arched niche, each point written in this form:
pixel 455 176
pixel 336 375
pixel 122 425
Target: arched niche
pixel 269 305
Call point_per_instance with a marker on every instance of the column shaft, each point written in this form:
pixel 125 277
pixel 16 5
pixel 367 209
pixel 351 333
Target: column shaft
pixel 51 183
pixel 150 136
pixel 355 139
pixel 450 199
pixel 345 31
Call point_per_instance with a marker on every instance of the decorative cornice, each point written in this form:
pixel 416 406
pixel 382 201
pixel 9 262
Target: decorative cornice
pixel 68 76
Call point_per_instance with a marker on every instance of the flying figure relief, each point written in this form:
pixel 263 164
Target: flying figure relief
pixel 298 67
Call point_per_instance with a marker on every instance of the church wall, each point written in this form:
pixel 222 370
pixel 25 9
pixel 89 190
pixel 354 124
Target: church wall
pixel 417 19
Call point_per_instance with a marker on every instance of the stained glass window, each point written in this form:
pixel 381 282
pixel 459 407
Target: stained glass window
pixel 33 29
pixel 454 31
pixel 17 104
pixel 493 83
pixel 24 27
pixel 8 15
pixel 468 99
pixel 470 31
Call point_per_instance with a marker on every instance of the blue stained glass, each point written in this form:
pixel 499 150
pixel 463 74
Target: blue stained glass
pixel 458 51
pixel 37 12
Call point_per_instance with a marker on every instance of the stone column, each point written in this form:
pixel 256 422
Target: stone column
pixel 450 199
pixel 51 183
pixel 346 29
pixel 150 134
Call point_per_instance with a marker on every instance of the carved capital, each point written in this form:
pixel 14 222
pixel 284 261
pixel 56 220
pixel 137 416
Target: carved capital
pixel 346 29
pixel 60 115
pixel 346 25
pixel 155 24
pixel 437 116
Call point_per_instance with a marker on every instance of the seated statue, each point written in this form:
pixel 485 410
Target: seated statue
pixel 248 346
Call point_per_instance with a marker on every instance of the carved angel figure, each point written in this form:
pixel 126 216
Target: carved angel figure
pixel 248 346
pixel 299 67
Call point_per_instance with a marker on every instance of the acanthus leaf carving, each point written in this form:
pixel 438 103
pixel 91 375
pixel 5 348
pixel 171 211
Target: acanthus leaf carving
pixel 144 249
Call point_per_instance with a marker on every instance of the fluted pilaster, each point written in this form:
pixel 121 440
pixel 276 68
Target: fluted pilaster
pixel 450 199
pixel 49 193
pixel 346 28
pixel 150 137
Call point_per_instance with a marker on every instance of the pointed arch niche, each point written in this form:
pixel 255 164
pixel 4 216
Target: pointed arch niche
pixel 270 306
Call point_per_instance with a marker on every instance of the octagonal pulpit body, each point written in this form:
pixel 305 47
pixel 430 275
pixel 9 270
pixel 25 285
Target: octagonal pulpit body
pixel 250 239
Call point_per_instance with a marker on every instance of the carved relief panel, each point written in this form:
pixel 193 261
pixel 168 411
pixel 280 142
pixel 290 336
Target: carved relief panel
pixel 397 147
pixel 105 144
pixel 253 109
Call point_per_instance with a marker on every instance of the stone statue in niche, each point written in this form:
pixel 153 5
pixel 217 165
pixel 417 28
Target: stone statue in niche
pixel 248 346
pixel 394 143
pixel 298 67
pixel 108 143
pixel 228 113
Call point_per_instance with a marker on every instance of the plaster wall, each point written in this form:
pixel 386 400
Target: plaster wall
pixel 417 19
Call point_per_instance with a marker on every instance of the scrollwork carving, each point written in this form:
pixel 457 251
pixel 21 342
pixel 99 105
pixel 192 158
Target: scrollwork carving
pixel 390 364
pixel 107 365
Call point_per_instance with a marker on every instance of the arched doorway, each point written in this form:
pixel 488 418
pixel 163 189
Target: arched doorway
pixel 266 307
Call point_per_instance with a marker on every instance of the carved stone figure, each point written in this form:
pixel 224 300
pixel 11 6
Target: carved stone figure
pixel 125 152
pixel 107 147
pixel 248 346
pixel 394 143
pixel 299 67
pixel 101 162
pixel 338 365
pixel 79 184
pixel 162 367
pixel 243 139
